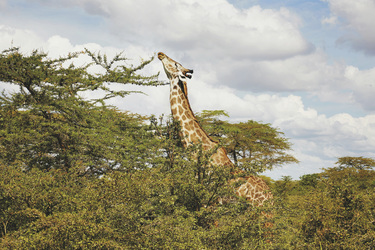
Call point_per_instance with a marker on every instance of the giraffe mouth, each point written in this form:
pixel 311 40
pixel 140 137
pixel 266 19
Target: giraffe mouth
pixel 161 55
pixel 188 73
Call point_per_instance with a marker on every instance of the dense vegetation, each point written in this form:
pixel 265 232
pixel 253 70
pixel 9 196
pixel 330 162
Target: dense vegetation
pixel 76 173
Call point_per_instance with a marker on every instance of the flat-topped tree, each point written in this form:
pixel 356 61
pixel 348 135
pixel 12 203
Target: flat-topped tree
pixel 253 146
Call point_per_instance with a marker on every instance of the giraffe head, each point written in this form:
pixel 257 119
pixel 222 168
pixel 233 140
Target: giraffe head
pixel 173 69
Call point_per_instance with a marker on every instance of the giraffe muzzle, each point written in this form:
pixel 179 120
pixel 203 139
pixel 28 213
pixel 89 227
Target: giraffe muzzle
pixel 188 73
pixel 161 55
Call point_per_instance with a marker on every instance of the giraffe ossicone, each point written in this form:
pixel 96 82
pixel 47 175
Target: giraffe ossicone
pixel 255 189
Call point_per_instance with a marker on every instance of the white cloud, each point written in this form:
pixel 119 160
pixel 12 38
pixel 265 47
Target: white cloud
pixel 17 37
pixel 359 131
pixel 3 3
pixel 312 73
pixel 363 85
pixel 303 72
pixel 330 20
pixel 207 28
pixel 359 17
pixel 253 49
pixel 310 157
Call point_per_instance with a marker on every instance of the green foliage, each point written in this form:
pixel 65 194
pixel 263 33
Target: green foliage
pixel 331 210
pixel 356 162
pixel 309 180
pixel 166 206
pixel 195 181
pixel 253 146
pixel 340 215
pixel 145 209
pixel 47 124
pixel 284 186
pixel 60 210
pixel 78 174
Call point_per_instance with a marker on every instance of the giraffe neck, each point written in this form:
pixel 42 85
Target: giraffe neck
pixel 191 131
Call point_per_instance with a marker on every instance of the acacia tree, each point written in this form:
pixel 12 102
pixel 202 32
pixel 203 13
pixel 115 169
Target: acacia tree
pixel 253 146
pixel 47 124
pixel 359 163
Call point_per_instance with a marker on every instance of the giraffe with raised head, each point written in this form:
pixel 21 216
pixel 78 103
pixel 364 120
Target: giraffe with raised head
pixel 255 190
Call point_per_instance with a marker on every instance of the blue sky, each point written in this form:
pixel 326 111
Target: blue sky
pixel 306 67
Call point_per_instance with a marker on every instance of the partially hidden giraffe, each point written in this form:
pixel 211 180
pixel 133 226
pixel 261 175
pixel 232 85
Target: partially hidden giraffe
pixel 255 189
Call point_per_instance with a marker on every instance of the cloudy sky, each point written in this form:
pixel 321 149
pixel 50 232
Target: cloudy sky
pixel 304 66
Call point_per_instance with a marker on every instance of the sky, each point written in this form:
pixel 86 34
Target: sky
pixel 307 67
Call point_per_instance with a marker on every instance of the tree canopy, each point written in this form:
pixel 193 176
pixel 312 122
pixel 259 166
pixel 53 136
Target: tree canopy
pixel 48 124
pixel 253 146
pixel 356 162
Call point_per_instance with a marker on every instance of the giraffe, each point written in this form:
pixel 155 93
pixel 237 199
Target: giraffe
pixel 255 189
